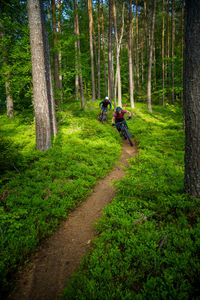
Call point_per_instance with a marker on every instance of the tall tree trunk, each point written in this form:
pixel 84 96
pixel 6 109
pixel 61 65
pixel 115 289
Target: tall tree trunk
pixel 59 4
pixel 167 44
pixel 163 53
pixel 172 49
pixel 99 53
pixel 103 44
pixel 91 47
pixel 76 52
pixel 145 26
pixel 41 74
pixel 154 65
pixel 117 46
pixel 182 47
pixel 150 58
pixel 78 55
pixel 142 49
pixel 110 59
pixel 136 48
pixel 50 94
pixel 55 55
pixel 130 55
pixel 192 98
pixel 9 99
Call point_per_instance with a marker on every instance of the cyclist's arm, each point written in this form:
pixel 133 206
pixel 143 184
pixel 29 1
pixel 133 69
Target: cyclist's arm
pixel 100 104
pixel 129 113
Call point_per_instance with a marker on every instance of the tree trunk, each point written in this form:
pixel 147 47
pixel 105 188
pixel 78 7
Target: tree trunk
pixel 130 55
pixel 110 60
pixel 50 94
pixel 145 26
pixel 150 58
pixel 99 53
pixel 91 48
pixel 76 51
pixel 59 4
pixel 163 53
pixel 136 48
pixel 55 55
pixel 9 99
pixel 103 43
pixel 41 75
pixel 167 44
pixel 154 65
pixel 117 46
pixel 192 98
pixel 142 50
pixel 172 49
pixel 182 46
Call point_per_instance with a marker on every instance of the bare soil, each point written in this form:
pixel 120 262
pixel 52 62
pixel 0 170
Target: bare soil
pixel 58 258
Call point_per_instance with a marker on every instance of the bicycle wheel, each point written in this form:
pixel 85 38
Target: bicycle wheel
pixel 128 136
pixel 104 117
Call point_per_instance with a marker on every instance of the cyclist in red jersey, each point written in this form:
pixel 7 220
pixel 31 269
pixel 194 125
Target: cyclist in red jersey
pixel 119 117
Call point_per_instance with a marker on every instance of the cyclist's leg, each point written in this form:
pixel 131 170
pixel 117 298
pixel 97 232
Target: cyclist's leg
pixel 118 126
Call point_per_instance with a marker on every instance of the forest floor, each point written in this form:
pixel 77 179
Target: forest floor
pixel 57 258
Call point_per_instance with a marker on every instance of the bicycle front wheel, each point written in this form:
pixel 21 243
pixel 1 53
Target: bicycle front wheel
pixel 128 135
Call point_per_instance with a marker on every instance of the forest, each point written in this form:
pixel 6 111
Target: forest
pixel 59 60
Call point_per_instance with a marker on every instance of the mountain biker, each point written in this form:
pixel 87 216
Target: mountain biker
pixel 104 105
pixel 118 118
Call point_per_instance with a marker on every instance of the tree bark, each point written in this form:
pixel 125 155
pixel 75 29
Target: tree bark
pixel 142 50
pixel 192 98
pixel 145 26
pixel 91 48
pixel 78 55
pixel 103 44
pixel 9 99
pixel 55 55
pixel 42 90
pixel 99 53
pixel 167 44
pixel 117 46
pixel 50 94
pixel 130 55
pixel 182 46
pixel 136 48
pixel 59 4
pixel 172 49
pixel 76 51
pixel 150 58
pixel 110 59
pixel 163 53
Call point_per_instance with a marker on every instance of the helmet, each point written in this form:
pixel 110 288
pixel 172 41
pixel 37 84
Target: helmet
pixel 118 109
pixel 106 98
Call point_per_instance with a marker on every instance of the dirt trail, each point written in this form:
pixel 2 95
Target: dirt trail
pixel 59 257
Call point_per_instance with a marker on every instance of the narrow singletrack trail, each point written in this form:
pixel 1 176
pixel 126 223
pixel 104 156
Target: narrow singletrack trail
pixel 58 258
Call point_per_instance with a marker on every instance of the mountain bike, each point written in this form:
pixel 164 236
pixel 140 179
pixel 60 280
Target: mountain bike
pixel 125 132
pixel 103 117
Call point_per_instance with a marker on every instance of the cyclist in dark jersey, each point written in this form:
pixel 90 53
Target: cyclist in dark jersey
pixel 104 105
pixel 119 117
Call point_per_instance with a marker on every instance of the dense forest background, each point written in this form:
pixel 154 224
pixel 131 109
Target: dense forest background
pixel 70 51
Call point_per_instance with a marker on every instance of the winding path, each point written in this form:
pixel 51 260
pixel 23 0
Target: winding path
pixel 57 258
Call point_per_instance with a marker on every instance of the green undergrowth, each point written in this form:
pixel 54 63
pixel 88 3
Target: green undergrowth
pixel 148 239
pixel 38 190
